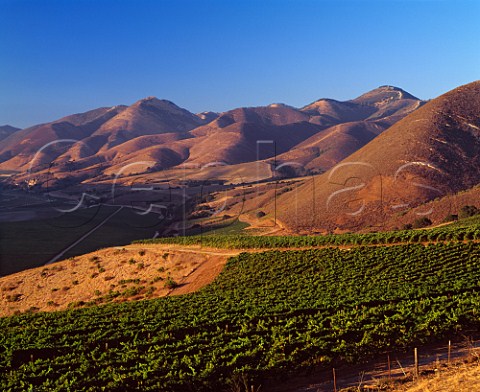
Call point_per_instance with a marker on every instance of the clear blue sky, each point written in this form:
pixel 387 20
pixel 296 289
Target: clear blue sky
pixel 63 57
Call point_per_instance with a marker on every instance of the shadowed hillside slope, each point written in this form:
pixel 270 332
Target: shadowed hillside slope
pixel 7 130
pixel 432 152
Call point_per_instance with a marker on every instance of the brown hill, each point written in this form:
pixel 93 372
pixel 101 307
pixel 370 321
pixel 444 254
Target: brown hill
pixel 382 96
pixel 7 130
pixel 19 150
pixel 229 139
pixel 98 130
pixel 147 117
pixel 330 112
pixel 207 116
pixel 438 211
pixel 328 147
pixel 431 153
pixel 301 136
pixel 381 102
pixel 275 114
pixel 137 272
pixel 249 134
pixel 357 122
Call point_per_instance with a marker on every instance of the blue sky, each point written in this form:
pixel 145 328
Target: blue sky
pixel 63 57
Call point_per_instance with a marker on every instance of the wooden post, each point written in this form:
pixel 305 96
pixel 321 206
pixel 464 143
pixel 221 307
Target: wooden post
pixel 401 367
pixel 334 381
pixel 437 365
pixel 449 351
pixel 389 367
pixel 415 354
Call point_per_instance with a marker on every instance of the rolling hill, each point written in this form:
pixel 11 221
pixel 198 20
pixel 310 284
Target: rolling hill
pixel 20 149
pixel 7 130
pixel 352 125
pixel 431 153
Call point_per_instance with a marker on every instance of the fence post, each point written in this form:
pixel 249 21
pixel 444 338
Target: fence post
pixel 437 365
pixel 449 351
pixel 389 367
pixel 415 354
pixel 334 381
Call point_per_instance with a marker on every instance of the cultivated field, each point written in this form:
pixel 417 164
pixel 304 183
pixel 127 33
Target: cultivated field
pixel 266 316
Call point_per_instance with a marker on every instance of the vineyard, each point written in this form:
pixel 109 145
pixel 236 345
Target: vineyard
pixel 439 234
pixel 267 315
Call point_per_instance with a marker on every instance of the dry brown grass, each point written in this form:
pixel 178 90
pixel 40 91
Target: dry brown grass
pixel 119 274
pixel 464 377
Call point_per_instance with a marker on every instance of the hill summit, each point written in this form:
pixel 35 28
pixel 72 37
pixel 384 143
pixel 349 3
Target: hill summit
pixel 383 95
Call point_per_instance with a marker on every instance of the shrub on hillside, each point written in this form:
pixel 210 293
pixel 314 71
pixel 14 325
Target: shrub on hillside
pixel 170 283
pixel 260 214
pixel 421 222
pixel 468 211
pixel 450 218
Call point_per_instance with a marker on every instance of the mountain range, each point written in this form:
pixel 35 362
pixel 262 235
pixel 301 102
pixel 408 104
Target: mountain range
pixel 106 141
pixel 364 163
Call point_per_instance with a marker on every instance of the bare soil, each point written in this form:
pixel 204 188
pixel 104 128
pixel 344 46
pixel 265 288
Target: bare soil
pixel 135 272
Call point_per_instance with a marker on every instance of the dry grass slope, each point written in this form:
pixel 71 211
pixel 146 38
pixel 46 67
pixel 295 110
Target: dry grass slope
pixel 459 378
pixel 110 275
